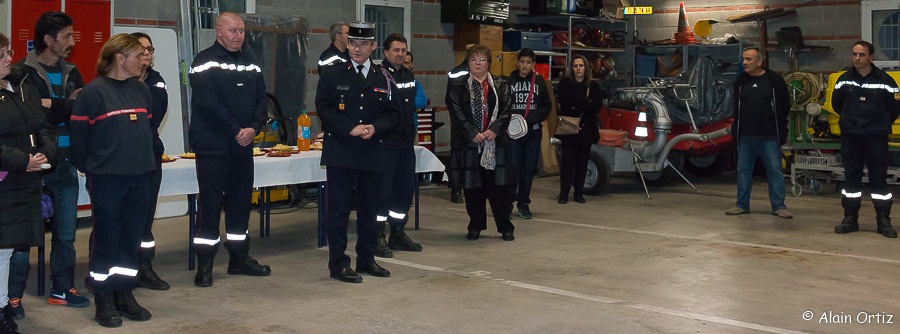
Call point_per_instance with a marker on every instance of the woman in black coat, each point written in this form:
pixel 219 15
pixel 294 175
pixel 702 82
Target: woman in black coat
pixel 479 162
pixel 578 96
pixel 27 147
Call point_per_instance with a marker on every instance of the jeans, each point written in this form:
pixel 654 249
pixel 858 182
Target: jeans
pixel 5 254
pixel 63 183
pixel 525 152
pixel 768 150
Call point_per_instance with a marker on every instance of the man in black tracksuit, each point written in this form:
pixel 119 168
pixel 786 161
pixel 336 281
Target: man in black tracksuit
pixel 356 109
pixel 531 99
pixel 228 107
pixel 400 157
pixel 868 101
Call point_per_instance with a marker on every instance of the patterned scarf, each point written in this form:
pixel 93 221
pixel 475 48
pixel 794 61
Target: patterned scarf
pixel 479 110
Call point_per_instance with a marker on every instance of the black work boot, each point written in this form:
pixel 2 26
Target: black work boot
pixel 381 247
pixel 8 321
pixel 883 217
pixel 148 278
pixel 400 241
pixel 106 315
pixel 204 277
pixel 850 223
pixel 240 262
pixel 128 306
pixel 456 196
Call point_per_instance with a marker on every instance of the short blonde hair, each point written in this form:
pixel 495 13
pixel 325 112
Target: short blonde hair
pixel 123 44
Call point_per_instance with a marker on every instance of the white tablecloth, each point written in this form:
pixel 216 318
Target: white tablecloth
pixel 180 176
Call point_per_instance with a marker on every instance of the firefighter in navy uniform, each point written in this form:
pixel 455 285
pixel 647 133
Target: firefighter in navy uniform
pixel 336 53
pixel 868 101
pixel 228 107
pixel 400 157
pixel 355 105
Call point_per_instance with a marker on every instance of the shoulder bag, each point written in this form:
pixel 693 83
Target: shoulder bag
pixel 569 125
pixel 518 126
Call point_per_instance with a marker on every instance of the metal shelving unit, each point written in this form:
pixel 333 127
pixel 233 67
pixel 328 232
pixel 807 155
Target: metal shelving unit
pixel 565 22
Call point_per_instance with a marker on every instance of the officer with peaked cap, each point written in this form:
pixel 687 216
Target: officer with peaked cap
pixel 354 102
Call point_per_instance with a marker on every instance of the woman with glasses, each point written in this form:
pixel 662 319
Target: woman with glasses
pixel 579 96
pixel 27 147
pixel 112 140
pixel 479 162
pixel 147 276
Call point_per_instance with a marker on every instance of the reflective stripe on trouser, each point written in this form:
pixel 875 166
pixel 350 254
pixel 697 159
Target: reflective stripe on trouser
pixel 120 206
pixel 864 153
pixel 148 243
pixel 398 186
pixel 224 181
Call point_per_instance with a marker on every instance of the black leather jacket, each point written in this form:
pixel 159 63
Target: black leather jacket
pixel 465 155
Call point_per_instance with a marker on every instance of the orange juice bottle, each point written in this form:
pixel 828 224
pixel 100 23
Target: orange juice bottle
pixel 303 140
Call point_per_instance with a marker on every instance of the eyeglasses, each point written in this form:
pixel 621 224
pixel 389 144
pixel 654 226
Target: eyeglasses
pixel 9 53
pixel 149 49
pixel 236 31
pixel 481 59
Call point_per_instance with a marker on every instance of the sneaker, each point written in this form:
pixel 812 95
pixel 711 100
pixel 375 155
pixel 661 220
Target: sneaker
pixel 16 308
pixel 783 213
pixel 736 211
pixel 69 298
pixel 525 213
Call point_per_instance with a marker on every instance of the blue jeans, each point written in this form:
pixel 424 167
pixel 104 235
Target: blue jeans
pixel 768 150
pixel 525 152
pixel 63 182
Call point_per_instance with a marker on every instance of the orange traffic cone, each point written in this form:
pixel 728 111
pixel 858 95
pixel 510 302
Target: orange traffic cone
pixel 684 35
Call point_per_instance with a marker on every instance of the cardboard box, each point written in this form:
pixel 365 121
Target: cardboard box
pixel 471 33
pixel 616 8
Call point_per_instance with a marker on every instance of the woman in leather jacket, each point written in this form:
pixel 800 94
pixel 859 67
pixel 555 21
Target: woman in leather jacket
pixel 579 96
pixel 479 162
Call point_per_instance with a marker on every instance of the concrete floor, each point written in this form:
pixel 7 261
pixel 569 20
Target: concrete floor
pixel 618 264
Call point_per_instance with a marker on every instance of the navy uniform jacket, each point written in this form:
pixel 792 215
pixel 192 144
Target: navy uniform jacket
pixel 344 100
pixel 867 105
pixel 404 86
pixel 228 94
pixel 332 56
pixel 159 107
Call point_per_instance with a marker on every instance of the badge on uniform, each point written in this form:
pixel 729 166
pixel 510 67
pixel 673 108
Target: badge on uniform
pixel 133 117
pixel 341 105
pixel 862 98
pixel 897 96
